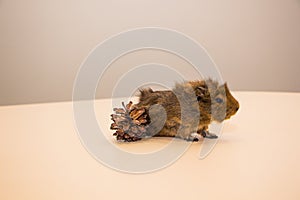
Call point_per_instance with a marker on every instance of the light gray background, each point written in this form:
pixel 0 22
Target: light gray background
pixel 255 43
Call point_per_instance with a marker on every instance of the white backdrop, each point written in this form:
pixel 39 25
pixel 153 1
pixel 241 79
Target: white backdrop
pixel 255 43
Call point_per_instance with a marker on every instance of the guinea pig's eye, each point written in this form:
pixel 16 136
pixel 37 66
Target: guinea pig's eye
pixel 219 100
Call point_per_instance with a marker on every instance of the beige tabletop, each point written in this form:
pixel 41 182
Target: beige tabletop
pixel 256 157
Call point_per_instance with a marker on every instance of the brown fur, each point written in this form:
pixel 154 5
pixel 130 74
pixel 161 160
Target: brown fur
pixel 190 107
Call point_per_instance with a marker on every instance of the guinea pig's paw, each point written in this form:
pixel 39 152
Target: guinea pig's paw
pixel 207 134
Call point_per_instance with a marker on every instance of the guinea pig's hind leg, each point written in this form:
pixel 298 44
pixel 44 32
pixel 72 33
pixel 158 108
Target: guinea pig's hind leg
pixel 194 137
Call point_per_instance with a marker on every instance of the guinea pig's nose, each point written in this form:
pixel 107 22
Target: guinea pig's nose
pixel 236 109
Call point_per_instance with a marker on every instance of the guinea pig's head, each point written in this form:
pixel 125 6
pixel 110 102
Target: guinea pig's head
pixel 224 105
pixel 215 100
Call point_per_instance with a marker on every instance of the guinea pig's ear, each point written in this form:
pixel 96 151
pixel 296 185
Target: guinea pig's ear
pixel 225 86
pixel 227 91
pixel 223 89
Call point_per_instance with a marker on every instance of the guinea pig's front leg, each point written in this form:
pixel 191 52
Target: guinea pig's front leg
pixel 206 134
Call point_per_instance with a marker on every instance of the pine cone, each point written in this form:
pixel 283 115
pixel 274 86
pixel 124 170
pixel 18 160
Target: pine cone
pixel 130 123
